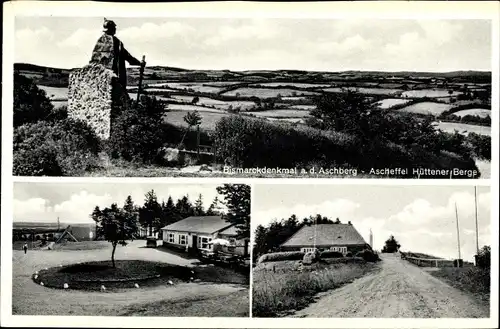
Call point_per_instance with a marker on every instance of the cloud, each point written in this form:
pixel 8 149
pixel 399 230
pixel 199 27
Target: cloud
pixel 150 32
pixel 257 29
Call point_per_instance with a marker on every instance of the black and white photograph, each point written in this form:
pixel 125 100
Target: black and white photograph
pixel 164 250
pixel 252 97
pixel 373 252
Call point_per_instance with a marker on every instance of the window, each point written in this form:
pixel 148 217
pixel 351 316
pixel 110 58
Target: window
pixel 203 242
pixel 307 249
pixel 339 249
pixel 170 238
pixel 183 239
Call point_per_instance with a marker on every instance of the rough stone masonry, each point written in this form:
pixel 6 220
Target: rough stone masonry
pixel 96 97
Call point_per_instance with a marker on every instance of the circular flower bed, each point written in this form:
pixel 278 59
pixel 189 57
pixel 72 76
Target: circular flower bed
pixel 103 276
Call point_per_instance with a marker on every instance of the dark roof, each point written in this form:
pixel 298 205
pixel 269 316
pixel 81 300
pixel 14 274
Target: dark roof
pixel 326 235
pixel 229 231
pixel 199 224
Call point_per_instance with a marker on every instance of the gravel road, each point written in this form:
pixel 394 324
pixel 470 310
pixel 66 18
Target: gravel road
pixel 398 290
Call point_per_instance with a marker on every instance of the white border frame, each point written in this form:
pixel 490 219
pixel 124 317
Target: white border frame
pixel 380 10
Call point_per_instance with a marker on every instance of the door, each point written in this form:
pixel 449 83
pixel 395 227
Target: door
pixel 195 242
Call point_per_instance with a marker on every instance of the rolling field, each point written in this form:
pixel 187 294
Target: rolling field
pixel 208 119
pixel 195 86
pixel 464 128
pixel 390 102
pixel 266 93
pixel 431 93
pixel 482 113
pixel 281 114
pixel 375 91
pixel 292 84
pixel 55 93
pixel 427 108
pixel 189 107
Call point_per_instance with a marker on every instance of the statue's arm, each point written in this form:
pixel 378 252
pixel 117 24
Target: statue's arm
pixel 129 58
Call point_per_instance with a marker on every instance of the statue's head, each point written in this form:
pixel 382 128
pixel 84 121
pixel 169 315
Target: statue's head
pixel 109 27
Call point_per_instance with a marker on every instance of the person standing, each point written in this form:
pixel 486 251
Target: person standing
pixel 110 52
pixel 25 247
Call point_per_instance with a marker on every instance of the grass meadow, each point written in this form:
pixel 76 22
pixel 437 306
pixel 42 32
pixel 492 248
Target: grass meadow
pixel 280 292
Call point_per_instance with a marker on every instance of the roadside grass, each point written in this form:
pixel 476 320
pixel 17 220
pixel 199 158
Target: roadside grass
pixel 472 280
pixel 283 292
pixel 232 305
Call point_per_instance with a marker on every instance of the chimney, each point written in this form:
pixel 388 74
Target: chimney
pixel 349 222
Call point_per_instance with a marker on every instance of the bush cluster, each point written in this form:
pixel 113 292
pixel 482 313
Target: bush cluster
pixel 331 254
pixel 279 256
pixel 59 148
pixel 368 255
pixel 30 102
pixel 137 133
pixel 247 142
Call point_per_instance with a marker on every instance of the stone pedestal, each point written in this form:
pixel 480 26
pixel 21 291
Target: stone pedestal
pixel 96 97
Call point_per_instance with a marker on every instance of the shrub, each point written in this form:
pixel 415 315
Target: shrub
pixel 349 254
pixel 484 257
pixel 59 148
pixel 279 256
pixel 368 255
pixel 138 133
pixel 331 254
pixel 31 104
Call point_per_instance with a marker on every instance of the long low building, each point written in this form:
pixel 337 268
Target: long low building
pixel 342 238
pixel 197 232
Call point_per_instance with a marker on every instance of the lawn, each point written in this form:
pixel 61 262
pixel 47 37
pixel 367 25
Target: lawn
pixel 29 298
pixel 281 292
pixel 208 119
pixel 195 86
pixel 482 113
pixel 189 107
pixel 267 93
pixel 427 108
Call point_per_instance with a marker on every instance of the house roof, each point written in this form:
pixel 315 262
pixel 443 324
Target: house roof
pixel 199 224
pixel 326 235
pixel 230 231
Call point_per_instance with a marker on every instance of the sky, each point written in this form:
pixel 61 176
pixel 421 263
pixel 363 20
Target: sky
pixel 73 203
pixel 422 218
pixel 264 43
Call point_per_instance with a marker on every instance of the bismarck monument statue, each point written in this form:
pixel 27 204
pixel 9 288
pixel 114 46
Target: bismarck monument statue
pixel 97 92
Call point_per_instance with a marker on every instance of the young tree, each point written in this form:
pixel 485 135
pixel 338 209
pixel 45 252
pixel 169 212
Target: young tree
pixel 192 119
pixel 198 206
pixel 237 201
pixel 215 208
pixel 117 226
pixel 170 213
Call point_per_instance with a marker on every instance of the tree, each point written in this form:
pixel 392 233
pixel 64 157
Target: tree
pixel 198 206
pixel 391 245
pixel 184 207
pixel 31 104
pixel 237 201
pixel 215 207
pixel 170 214
pixel 192 119
pixel 117 226
pixel 150 213
pixel 195 100
pixel 483 258
pixel 96 215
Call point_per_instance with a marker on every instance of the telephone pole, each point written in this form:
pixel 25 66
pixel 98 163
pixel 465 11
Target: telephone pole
pixel 458 232
pixel 58 224
pixel 477 230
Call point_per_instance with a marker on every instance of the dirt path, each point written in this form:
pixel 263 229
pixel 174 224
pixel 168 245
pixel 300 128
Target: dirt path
pixel 29 298
pixel 398 290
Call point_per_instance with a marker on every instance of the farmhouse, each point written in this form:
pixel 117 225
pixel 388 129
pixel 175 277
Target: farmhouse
pixel 335 237
pixel 196 233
